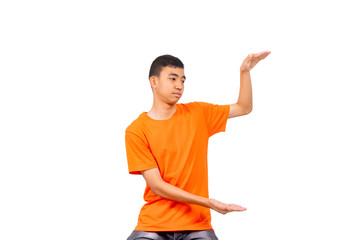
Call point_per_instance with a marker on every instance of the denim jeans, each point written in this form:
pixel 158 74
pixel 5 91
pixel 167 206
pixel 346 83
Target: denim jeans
pixel 182 235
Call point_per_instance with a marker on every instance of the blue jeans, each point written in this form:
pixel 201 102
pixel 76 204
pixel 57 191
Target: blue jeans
pixel 182 235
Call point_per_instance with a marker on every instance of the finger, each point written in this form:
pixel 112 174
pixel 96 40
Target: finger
pixel 262 55
pixel 237 207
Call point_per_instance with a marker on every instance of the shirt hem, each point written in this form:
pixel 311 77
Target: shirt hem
pixel 154 229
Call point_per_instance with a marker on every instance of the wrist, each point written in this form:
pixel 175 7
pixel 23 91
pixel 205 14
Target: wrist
pixel 205 202
pixel 244 69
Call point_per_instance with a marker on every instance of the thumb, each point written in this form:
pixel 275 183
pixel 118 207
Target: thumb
pixel 250 60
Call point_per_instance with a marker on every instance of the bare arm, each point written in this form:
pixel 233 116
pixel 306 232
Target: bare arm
pixel 244 103
pixel 168 191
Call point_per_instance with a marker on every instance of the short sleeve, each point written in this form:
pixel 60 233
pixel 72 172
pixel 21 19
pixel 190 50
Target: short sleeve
pixel 138 154
pixel 216 117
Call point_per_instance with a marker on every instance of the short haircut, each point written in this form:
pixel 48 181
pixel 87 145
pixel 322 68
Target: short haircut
pixel 164 61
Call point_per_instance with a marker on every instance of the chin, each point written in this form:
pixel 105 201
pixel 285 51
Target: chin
pixel 173 102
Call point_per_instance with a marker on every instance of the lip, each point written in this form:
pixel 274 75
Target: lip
pixel 177 94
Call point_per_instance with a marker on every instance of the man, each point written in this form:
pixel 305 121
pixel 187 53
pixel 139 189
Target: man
pixel 168 147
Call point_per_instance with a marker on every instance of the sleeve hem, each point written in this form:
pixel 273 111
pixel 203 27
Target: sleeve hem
pixel 224 124
pixel 137 171
pixel 226 121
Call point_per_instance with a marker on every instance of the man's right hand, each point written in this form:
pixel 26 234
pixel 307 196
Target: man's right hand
pixel 168 191
pixel 224 208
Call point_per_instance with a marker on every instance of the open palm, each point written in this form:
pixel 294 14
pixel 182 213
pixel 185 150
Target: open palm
pixel 252 59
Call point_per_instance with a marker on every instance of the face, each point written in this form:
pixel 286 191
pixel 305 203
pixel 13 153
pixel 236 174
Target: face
pixel 169 86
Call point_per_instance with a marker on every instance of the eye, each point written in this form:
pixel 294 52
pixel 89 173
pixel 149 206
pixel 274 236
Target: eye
pixel 172 79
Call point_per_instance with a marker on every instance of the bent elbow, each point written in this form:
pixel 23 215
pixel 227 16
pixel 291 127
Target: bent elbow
pixel 246 111
pixel 154 181
pixel 153 188
pixel 157 189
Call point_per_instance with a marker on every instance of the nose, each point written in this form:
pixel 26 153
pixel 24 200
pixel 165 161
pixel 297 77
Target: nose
pixel 179 85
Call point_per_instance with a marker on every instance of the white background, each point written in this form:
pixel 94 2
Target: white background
pixel 74 76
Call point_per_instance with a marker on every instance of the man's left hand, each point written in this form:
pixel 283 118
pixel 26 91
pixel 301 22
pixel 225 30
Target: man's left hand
pixel 252 59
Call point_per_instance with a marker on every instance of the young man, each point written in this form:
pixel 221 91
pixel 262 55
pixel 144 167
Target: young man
pixel 168 147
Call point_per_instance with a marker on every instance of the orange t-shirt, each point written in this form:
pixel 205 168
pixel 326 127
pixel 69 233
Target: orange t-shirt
pixel 178 147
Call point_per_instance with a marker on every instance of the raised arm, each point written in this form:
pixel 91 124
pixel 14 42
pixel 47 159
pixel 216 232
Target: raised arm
pixel 244 104
pixel 168 191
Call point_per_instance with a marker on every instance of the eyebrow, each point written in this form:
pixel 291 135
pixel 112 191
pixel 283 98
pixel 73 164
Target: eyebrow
pixel 174 74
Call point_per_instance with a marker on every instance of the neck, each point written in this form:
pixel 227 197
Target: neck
pixel 162 111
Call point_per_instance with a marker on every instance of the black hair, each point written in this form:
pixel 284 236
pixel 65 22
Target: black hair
pixel 164 61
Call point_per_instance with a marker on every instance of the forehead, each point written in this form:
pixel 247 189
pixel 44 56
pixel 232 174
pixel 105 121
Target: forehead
pixel 167 70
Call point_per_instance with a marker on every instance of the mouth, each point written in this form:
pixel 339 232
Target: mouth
pixel 177 94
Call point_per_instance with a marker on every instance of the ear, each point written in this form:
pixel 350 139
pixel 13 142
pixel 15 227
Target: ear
pixel 154 81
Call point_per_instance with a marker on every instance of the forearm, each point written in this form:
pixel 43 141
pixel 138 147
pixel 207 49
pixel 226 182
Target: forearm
pixel 245 90
pixel 168 191
pixel 171 192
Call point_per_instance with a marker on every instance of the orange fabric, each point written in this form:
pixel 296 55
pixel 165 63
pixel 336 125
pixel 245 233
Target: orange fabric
pixel 178 147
